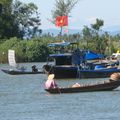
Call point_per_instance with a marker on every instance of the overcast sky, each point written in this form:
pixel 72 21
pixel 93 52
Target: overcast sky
pixel 84 13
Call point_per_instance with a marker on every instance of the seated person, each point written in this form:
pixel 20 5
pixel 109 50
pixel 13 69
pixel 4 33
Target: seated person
pixel 50 83
pixel 34 69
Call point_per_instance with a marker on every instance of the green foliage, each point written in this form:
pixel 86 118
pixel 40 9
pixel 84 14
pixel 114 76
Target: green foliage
pixel 93 37
pixel 9 44
pixel 87 33
pixel 63 7
pixel 20 50
pixel 27 18
pixel 19 20
pixel 8 28
pixel 6 6
pixel 99 23
pixel 34 50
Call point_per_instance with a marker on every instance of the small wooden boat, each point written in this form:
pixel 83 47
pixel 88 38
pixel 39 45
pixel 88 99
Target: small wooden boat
pixel 104 86
pixel 17 69
pixel 21 72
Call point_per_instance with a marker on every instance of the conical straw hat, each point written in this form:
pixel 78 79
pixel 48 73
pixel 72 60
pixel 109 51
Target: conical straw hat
pixel 51 77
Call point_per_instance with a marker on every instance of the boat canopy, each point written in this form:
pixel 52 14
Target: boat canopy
pixel 60 55
pixel 89 55
pixel 61 44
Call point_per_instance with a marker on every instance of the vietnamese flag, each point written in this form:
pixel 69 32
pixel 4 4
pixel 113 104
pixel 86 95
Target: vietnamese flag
pixel 61 21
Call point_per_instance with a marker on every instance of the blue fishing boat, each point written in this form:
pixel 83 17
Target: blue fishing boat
pixel 78 64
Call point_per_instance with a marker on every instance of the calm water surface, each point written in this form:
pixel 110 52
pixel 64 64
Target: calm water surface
pixel 22 97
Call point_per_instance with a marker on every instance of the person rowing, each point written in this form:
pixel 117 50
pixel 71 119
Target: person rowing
pixel 50 83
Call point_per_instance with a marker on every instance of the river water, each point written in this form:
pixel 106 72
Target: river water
pixel 22 97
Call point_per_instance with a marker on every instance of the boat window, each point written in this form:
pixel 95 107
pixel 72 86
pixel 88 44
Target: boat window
pixel 64 60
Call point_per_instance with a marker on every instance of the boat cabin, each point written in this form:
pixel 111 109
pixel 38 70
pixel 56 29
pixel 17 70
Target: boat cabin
pixel 62 59
pixel 73 56
pixel 63 52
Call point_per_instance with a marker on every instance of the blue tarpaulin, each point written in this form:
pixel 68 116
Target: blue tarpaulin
pixel 62 44
pixel 91 55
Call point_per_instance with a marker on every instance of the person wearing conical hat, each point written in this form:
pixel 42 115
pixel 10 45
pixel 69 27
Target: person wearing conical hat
pixel 50 83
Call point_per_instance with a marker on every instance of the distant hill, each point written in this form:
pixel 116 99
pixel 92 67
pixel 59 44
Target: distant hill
pixel 113 30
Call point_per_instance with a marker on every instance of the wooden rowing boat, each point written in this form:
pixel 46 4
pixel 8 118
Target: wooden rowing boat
pixel 21 72
pixel 104 86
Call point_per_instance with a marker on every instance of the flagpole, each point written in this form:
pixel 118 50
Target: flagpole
pixel 61 32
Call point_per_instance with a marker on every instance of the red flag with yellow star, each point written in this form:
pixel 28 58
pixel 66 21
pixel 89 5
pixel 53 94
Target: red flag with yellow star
pixel 61 21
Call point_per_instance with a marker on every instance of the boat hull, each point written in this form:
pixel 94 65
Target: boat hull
pixel 19 72
pixel 107 86
pixel 74 72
